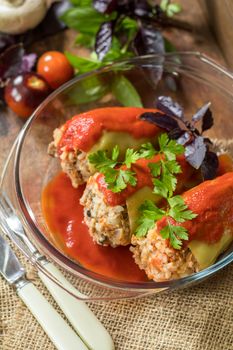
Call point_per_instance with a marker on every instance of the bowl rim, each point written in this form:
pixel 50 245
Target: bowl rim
pixel 63 260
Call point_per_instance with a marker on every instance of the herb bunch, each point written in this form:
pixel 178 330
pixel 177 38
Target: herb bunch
pixel 165 182
pixel 115 29
pixel 198 151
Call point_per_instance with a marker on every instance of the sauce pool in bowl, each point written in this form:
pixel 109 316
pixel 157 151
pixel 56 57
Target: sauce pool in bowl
pixel 64 216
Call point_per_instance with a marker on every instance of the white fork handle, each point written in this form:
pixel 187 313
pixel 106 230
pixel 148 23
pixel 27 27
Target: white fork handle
pixel 86 324
pixel 62 336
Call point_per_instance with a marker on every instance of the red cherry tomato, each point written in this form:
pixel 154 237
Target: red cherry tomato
pixel 25 92
pixel 55 68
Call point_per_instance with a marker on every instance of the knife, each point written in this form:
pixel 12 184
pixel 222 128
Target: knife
pixel 85 323
pixel 53 324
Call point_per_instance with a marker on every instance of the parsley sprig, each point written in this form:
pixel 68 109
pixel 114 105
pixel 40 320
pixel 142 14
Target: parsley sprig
pixel 167 167
pixel 116 176
pixel 177 209
pixel 165 182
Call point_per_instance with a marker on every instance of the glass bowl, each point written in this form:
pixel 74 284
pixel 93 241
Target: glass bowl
pixel 190 78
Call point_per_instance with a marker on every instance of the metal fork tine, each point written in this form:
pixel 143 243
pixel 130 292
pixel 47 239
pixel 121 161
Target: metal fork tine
pixel 13 225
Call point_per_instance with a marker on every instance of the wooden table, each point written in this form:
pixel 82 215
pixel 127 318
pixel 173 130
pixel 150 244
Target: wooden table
pixel 200 40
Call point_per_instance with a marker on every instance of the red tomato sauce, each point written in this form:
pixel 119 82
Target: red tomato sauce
pixel 64 217
pixel 225 164
pixel 83 130
pixel 212 201
pixel 144 178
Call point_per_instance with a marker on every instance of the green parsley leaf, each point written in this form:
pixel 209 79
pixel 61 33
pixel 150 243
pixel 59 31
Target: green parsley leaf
pixel 131 156
pixel 173 166
pixel 110 175
pixel 129 177
pixel 149 206
pixel 155 168
pixel 175 234
pixel 174 147
pixel 116 178
pixel 169 147
pixel 170 182
pixel 177 201
pixel 163 141
pixel 115 153
pixel 147 150
pixel 149 214
pixel 179 210
pixel 100 160
pixel 144 225
pixel 121 179
pixel 160 188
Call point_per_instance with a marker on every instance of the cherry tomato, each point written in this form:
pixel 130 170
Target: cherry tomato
pixel 55 68
pixel 25 92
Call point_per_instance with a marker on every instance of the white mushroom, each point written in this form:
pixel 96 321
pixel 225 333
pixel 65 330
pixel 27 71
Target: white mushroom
pixel 18 16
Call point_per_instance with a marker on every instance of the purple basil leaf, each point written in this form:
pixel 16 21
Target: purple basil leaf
pixel 6 40
pixel 161 120
pixel 199 115
pixel 169 107
pixel 105 6
pixel 148 40
pixel 207 121
pixel 176 133
pixel 195 152
pixel 28 62
pixel 142 8
pixel 103 39
pixel 184 139
pixel 209 166
pixel 11 61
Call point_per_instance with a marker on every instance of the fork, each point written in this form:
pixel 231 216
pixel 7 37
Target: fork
pixel 86 324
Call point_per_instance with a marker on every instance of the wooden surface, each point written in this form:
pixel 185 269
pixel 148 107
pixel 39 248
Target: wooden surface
pixel 200 39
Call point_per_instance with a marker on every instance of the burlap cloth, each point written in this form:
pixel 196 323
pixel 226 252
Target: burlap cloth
pixel 197 318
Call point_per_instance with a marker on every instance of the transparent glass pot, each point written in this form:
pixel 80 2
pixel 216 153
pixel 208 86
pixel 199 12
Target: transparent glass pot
pixel 190 78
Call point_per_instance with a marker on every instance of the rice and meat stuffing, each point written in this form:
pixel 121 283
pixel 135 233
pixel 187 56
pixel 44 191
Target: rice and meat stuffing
pixel 160 261
pixel 74 163
pixel 108 225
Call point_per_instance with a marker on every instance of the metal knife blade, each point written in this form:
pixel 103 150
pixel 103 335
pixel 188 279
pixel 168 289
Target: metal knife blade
pixel 10 267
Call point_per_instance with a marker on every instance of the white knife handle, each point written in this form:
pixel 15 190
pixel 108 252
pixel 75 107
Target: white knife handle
pixel 57 329
pixel 86 324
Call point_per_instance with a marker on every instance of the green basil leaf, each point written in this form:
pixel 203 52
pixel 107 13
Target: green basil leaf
pixel 125 92
pixel 81 2
pixel 88 90
pixel 81 64
pixel 85 19
pixel 85 40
